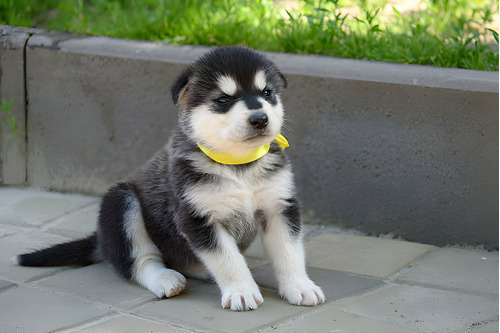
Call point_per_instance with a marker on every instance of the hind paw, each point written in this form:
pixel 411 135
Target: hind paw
pixel 167 283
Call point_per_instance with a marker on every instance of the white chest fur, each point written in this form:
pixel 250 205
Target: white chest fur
pixel 237 195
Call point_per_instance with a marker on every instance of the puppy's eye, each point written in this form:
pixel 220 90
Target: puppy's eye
pixel 223 100
pixel 267 92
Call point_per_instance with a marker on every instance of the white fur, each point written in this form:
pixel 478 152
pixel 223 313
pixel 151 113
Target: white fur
pixel 227 85
pixel 148 268
pixel 260 80
pixel 232 132
pixel 15 260
pixel 287 257
pixel 247 193
pixel 242 192
pixel 228 267
pixel 229 133
pixel 240 129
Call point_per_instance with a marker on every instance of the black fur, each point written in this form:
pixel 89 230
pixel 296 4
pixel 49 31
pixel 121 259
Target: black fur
pixel 160 185
pixel 81 252
pixel 179 84
pixel 252 102
pixel 112 240
pixel 227 60
pixel 293 218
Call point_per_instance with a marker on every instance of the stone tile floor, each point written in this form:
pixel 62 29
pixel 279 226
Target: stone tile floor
pixel 371 284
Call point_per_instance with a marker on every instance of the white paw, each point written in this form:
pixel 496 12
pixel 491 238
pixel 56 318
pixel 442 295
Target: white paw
pixel 304 293
pixel 167 283
pixel 242 298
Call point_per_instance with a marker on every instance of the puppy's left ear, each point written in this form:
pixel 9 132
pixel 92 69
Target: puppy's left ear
pixel 283 78
pixel 180 86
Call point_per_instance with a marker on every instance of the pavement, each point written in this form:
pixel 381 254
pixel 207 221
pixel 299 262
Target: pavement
pixel 371 284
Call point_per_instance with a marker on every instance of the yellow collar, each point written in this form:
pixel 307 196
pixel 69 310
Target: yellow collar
pixel 260 151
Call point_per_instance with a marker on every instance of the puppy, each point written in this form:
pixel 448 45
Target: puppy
pixel 200 201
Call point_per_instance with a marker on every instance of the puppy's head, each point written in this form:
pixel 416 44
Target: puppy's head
pixel 230 100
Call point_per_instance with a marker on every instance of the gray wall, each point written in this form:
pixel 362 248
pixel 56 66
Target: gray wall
pixel 410 150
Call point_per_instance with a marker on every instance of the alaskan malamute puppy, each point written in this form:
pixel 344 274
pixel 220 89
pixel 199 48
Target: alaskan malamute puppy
pixel 200 201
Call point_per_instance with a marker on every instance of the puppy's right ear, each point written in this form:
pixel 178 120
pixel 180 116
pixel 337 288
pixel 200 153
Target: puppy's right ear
pixel 180 85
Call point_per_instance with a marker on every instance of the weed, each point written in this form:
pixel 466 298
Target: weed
pixel 337 222
pixel 7 107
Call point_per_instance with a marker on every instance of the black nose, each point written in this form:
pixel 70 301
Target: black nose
pixel 259 120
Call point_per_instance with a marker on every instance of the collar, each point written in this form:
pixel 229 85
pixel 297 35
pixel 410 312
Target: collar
pixel 260 151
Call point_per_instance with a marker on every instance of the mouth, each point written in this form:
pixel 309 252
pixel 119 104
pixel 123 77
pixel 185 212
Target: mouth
pixel 257 137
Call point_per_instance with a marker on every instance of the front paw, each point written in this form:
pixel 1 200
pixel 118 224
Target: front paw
pixel 302 293
pixel 242 298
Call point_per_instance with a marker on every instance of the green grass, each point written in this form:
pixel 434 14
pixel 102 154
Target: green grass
pixel 447 33
pixel 10 122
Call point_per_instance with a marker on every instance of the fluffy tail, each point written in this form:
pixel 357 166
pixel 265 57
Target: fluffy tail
pixel 81 252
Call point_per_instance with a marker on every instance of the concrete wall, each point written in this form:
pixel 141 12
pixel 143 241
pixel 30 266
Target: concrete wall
pixel 411 150
pixel 12 86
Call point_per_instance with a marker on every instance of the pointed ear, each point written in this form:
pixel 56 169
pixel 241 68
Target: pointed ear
pixel 180 85
pixel 283 78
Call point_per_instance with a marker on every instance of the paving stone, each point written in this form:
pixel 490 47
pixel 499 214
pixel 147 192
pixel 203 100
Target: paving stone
pixel 9 195
pixel 201 308
pixel 473 270
pixel 490 327
pixel 4 285
pixel 256 251
pixel 6 231
pixel 425 309
pixel 21 243
pixel 444 290
pixel 31 207
pixel 129 324
pixel 335 284
pixel 336 321
pixel 25 309
pixel 101 283
pixel 362 255
pixel 76 224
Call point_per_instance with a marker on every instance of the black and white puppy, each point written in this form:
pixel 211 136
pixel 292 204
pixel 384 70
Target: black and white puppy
pixel 200 201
